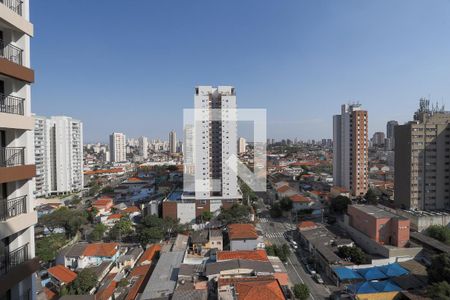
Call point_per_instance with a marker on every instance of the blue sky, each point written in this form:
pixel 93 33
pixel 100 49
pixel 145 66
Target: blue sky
pixel 131 66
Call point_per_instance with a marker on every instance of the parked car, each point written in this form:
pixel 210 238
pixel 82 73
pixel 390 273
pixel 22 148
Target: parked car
pixel 310 269
pixel 318 278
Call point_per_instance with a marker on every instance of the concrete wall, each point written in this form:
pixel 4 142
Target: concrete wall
pixel 243 245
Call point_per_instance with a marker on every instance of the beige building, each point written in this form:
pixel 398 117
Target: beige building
pixel 17 167
pixel 422 160
pixel 351 149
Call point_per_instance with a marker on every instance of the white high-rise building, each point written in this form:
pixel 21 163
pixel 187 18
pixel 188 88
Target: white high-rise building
pixel 242 145
pixel 58 143
pixel 172 142
pixel 117 147
pixel 351 149
pixel 143 147
pixel 17 168
pixel 213 143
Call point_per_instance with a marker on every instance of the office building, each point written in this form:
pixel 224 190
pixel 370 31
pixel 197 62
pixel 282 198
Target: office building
pixel 242 145
pixel 143 147
pixel 390 133
pixel 172 142
pixel 58 150
pixel 350 149
pixel 422 160
pixel 17 167
pixel 117 147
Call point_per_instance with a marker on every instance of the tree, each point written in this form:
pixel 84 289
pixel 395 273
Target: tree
pixel 91 214
pixel 275 211
pixel 207 215
pixel 98 232
pixel 121 229
pixel 85 281
pixel 286 204
pixel 371 197
pixel 47 247
pixel 237 213
pixel 108 189
pixel 355 254
pixel 439 290
pixel 440 268
pixel 150 235
pixel 340 203
pixel 440 233
pixel 70 220
pixel 301 291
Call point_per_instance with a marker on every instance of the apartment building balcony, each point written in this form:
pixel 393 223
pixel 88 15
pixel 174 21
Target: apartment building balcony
pixel 12 165
pixel 16 265
pixel 12 113
pixel 12 63
pixel 10 208
pixel 14 5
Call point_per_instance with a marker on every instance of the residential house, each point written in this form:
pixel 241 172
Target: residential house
pixel 61 276
pixel 242 237
pixel 82 255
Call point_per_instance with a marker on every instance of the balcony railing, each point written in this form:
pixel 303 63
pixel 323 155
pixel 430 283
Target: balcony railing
pixel 12 105
pixel 11 157
pixel 14 5
pixel 11 52
pixel 10 259
pixel 9 208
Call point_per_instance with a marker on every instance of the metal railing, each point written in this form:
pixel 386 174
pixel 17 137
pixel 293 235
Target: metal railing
pixel 12 156
pixel 10 259
pixel 11 52
pixel 12 104
pixel 9 208
pixel 14 5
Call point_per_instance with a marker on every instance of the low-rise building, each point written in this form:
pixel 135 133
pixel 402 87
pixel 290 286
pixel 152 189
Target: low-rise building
pixel 242 237
pixel 82 255
pixel 61 276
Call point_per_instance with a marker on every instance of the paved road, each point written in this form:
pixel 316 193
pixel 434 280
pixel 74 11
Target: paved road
pixel 274 231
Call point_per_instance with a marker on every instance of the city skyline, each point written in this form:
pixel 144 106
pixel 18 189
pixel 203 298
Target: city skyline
pixel 311 56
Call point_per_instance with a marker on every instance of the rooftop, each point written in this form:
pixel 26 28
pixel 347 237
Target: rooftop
pixel 62 273
pixel 101 249
pixel 375 211
pixel 242 231
pixel 259 255
pixel 164 277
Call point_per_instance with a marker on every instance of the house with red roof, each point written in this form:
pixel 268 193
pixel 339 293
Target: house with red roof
pixel 259 255
pixel 82 255
pixel 250 288
pixel 60 275
pixel 103 204
pixel 243 237
pixel 300 202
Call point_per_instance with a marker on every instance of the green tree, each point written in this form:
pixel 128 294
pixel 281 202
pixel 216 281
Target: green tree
pixel 301 291
pixel 98 232
pixel 70 220
pixel 339 204
pixel 91 214
pixel 275 211
pixel 235 214
pixel 439 290
pixel 371 197
pixel 207 215
pixel 108 189
pixel 47 247
pixel 355 254
pixel 286 204
pixel 150 235
pixel 440 233
pixel 440 268
pixel 85 281
pixel 122 228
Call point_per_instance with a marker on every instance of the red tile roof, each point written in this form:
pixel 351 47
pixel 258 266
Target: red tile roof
pixel 283 189
pixel 255 288
pixel 62 274
pixel 150 253
pixel 107 292
pixel 101 249
pixel 305 225
pixel 242 232
pixel 131 209
pixel 51 295
pixel 116 170
pixel 259 255
pixel 300 199
pixel 105 201
pixel 115 216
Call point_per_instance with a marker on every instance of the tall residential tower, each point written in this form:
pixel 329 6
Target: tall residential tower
pixel 58 143
pixel 422 160
pixel 351 149
pixel 172 142
pixel 117 147
pixel 17 168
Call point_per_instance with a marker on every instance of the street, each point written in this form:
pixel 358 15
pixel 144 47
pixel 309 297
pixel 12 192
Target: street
pixel 274 231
